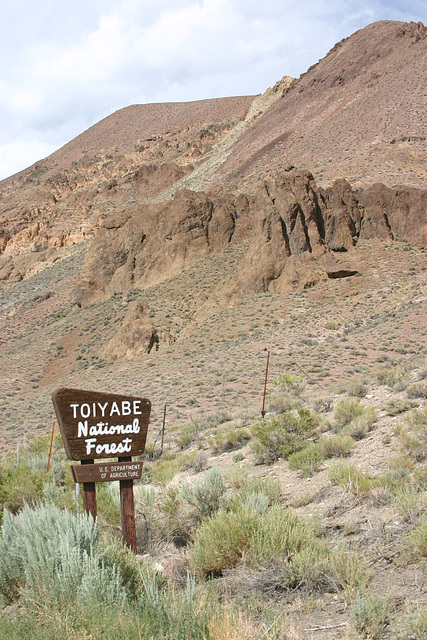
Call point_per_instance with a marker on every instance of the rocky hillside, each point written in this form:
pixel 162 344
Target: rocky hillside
pixel 164 224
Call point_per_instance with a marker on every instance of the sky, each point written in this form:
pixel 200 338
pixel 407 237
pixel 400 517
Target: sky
pixel 66 65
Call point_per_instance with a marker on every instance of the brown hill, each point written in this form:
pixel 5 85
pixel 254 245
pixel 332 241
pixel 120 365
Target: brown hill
pixel 162 218
pixel 163 251
pixel 359 114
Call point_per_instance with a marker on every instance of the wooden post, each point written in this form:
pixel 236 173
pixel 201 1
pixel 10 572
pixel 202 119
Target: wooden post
pixel 128 510
pixel 89 494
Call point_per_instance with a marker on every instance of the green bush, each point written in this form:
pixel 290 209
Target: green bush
pixel 395 406
pixel 347 410
pixel 335 446
pixel 206 496
pixel 270 487
pixel 370 615
pixel 286 394
pixel 45 551
pixel 308 460
pixel 411 623
pixel 358 427
pixel 357 387
pixel 286 434
pixel 414 439
pixel 224 540
pixel 417 538
pixel 351 478
pixel 394 377
pixel 417 390
pixel 289 383
pixel 317 568
pixel 229 436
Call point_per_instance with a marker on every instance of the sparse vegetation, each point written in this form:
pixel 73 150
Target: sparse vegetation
pixel 224 475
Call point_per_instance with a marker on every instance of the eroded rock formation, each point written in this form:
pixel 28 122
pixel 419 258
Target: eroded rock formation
pixel 294 229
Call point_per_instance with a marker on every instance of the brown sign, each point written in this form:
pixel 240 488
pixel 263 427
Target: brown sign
pixel 100 425
pixel 107 472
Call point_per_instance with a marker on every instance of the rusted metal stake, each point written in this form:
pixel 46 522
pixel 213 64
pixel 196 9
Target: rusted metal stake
pixel 163 427
pixel 265 385
pixel 50 450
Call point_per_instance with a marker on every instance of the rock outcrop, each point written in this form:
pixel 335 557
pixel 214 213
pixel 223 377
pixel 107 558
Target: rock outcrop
pixel 136 336
pixel 294 230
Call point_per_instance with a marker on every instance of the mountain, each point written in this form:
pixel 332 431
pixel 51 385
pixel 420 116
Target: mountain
pixel 155 231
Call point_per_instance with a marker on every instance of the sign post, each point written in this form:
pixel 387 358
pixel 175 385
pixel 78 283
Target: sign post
pixel 96 426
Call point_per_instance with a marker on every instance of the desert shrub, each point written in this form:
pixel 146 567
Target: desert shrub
pixel 45 550
pixel 411 623
pixel 171 614
pixel 351 478
pixel 370 615
pixel 280 533
pixel 164 471
pixel 116 555
pixel 394 377
pixel 361 425
pixel 409 501
pixel 229 436
pixel 270 487
pixel 347 410
pixel 289 383
pixel 307 460
pixel 108 502
pixel 333 326
pixel 321 401
pixel 206 496
pixel 284 435
pixel 187 435
pixel 256 501
pixel 414 439
pixel 237 474
pixel 286 394
pixel 212 420
pixel 335 446
pixel 225 539
pixel 357 387
pixel 417 390
pixel 19 485
pixel 319 568
pixel 278 402
pixel 398 405
pixel 417 538
pixel 221 541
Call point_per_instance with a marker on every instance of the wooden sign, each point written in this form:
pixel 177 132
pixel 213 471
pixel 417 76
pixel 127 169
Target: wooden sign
pixel 107 472
pixel 99 425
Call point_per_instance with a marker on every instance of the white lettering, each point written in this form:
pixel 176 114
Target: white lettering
pixel 103 407
pixel 114 448
pixel 82 429
pixel 90 444
pixel 136 407
pixel 74 408
pixel 85 410
pixel 114 409
pixel 126 408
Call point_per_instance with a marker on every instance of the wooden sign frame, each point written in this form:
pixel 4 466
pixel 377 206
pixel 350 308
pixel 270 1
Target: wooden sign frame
pixel 96 426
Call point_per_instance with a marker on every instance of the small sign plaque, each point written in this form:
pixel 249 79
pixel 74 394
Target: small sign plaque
pixel 107 472
pixel 100 425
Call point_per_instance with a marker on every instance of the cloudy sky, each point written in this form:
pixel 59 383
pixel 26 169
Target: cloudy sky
pixel 66 65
